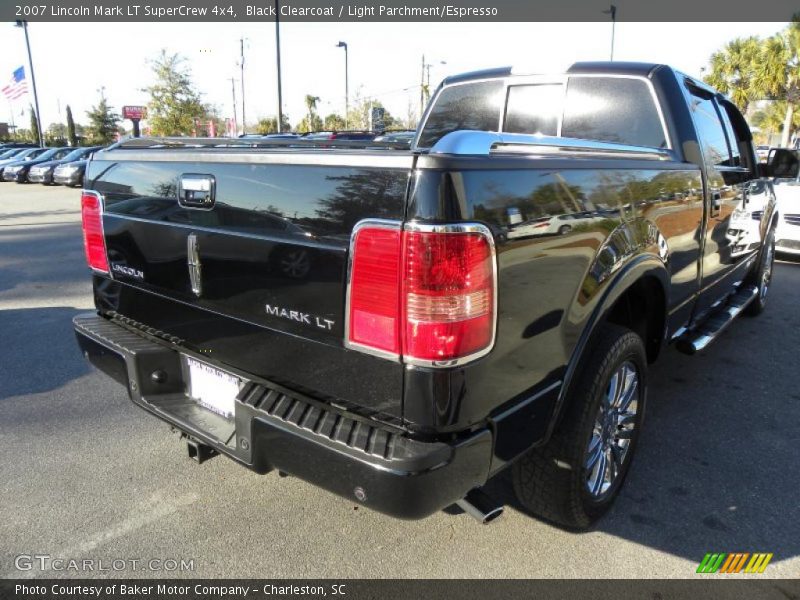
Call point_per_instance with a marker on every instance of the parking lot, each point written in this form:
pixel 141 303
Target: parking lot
pixel 86 474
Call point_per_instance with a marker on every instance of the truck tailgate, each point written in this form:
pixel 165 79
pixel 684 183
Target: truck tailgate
pixel 255 279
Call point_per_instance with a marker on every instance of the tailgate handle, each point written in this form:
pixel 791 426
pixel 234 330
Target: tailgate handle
pixel 197 191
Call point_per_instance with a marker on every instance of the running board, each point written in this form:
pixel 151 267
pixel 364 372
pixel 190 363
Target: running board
pixel 697 339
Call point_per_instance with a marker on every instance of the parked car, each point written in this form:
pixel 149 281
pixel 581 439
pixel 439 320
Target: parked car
pixel 787 194
pixel 25 155
pixel 258 136
pixel 70 174
pixel 397 136
pixel 787 234
pixel 360 136
pixel 7 145
pixel 7 153
pixel 762 153
pixel 416 359
pixel 44 171
pixel 746 219
pixel 18 171
pixel 553 225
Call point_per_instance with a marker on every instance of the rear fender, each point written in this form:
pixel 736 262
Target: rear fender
pixel 605 283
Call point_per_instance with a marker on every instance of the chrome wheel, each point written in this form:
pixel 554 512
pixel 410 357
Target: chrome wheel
pixel 613 430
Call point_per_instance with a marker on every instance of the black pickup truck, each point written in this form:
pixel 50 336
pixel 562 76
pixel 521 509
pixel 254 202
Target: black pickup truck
pixel 398 325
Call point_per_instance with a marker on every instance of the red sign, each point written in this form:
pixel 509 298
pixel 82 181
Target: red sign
pixel 134 112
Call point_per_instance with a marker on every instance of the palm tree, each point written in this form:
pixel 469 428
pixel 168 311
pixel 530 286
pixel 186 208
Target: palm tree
pixel 311 105
pixel 733 70
pixel 778 72
pixel 771 119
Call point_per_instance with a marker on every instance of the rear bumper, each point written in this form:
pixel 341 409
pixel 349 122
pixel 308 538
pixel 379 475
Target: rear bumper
pixel 276 428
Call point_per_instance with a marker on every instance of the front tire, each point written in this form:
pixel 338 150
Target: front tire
pixel 574 479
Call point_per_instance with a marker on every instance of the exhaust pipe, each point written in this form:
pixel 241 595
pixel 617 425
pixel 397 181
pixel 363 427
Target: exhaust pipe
pixel 478 505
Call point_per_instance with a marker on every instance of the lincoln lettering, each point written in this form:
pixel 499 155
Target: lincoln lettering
pixel 299 317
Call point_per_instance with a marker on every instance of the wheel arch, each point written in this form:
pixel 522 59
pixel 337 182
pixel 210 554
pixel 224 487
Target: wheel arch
pixel 636 298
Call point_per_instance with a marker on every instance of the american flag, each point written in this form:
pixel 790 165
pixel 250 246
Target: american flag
pixel 18 86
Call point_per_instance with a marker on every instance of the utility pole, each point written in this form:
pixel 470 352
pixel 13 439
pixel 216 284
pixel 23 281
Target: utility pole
pixel 422 90
pixel 278 58
pixel 24 25
pixel 233 95
pixel 244 121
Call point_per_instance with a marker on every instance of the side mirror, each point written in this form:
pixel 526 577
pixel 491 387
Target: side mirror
pixel 782 163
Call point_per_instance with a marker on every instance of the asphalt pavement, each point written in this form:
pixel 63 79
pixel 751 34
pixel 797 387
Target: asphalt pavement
pixel 87 475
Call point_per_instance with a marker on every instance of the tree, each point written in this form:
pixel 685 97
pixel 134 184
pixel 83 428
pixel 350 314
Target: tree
pixel 34 125
pixel 733 70
pixel 103 123
pixel 359 115
pixel 174 103
pixel 56 132
pixel 778 72
pixel 71 135
pixel 333 122
pixel 311 119
pixel 770 120
pixel 270 125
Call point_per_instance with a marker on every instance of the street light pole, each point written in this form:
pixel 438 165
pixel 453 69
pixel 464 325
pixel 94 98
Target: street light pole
pixel 612 10
pixel 24 25
pixel 346 85
pixel 244 121
pixel 278 58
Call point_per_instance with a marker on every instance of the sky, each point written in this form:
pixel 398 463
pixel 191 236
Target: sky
pixel 73 61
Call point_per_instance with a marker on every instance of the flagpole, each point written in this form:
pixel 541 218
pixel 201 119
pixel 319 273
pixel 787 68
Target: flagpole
pixel 13 125
pixel 24 25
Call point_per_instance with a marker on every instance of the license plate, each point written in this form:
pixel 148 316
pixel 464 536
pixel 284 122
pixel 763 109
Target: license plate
pixel 212 388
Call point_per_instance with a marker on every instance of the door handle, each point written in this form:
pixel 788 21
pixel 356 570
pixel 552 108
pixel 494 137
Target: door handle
pixel 197 191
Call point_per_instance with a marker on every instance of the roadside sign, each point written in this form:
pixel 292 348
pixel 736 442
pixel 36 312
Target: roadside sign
pixel 376 119
pixel 134 112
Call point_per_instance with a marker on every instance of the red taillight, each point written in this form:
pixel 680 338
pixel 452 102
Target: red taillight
pixel 374 311
pixel 427 293
pixel 448 293
pixel 93 241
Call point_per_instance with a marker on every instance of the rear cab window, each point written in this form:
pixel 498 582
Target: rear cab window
pixel 474 106
pixel 612 109
pixel 615 109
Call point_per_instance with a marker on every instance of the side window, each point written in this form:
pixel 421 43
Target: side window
pixel 733 142
pixel 474 106
pixel 612 109
pixel 534 109
pixel 710 130
pixel 741 140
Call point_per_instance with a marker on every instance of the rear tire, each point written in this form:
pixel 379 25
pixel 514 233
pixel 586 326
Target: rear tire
pixel 562 481
pixel 762 277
